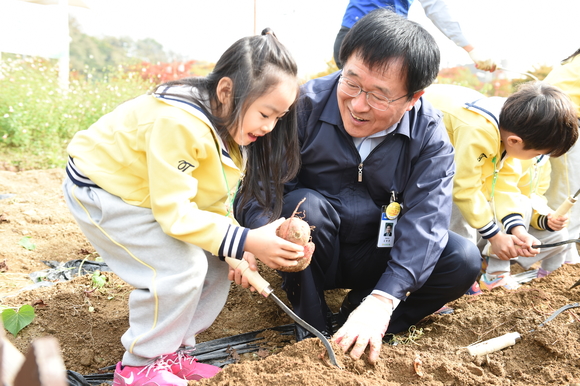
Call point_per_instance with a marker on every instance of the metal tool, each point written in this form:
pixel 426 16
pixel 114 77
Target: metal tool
pixel 495 344
pixel 556 313
pixel 562 210
pixel 567 204
pixel 526 276
pixel 509 339
pixel 264 288
pixel 556 244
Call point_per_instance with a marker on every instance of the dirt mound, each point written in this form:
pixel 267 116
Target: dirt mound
pixel 88 321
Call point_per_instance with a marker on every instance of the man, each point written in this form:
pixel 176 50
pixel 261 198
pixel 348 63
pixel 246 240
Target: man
pixel 436 10
pixel 388 231
pixel 372 151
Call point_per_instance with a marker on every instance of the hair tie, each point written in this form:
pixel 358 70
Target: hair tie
pixel 268 31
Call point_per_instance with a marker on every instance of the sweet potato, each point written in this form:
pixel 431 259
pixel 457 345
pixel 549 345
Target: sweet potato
pixel 296 230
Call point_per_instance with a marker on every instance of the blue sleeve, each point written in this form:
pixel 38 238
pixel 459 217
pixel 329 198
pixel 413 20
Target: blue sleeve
pixel 438 12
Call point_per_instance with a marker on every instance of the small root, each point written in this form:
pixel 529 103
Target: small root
pixel 297 206
pixel 418 366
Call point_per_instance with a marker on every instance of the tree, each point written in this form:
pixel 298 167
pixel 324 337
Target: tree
pixel 92 55
pixel 96 56
pixel 460 76
pixel 539 71
pixel 148 50
pixel 330 68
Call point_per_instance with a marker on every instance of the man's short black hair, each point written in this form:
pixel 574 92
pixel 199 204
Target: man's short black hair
pixel 382 38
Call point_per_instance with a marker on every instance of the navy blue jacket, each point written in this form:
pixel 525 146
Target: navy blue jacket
pixel 416 160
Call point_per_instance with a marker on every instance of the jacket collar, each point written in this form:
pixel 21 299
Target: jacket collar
pixel 489 108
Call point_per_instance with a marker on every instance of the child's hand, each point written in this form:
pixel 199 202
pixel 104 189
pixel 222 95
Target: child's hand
pixel 504 246
pixel 235 275
pixel 557 223
pixel 270 249
pixel 525 241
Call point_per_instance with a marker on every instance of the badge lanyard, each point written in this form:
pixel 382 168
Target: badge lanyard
pixel 229 204
pixel 389 216
pixel 494 180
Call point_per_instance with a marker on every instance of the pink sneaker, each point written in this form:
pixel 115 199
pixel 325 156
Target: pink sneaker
pixel 542 273
pixel 474 289
pixel 504 280
pixel 151 375
pixel 186 366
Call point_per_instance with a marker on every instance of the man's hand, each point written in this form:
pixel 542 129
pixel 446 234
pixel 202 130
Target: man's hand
pixel 366 325
pixel 482 61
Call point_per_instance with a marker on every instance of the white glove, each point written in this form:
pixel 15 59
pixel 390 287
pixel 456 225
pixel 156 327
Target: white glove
pixel 482 60
pixel 365 325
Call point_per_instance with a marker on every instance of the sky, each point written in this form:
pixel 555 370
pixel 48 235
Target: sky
pixel 523 33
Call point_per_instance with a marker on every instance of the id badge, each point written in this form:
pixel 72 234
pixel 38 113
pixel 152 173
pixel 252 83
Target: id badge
pixel 389 215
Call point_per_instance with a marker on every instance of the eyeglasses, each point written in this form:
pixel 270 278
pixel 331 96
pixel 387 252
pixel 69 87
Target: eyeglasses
pixel 376 101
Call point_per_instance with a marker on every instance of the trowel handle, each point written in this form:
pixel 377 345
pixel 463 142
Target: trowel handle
pixel 565 207
pixel 494 344
pixel 257 281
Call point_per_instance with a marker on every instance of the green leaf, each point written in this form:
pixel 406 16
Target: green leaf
pixel 98 280
pixel 14 321
pixel 27 243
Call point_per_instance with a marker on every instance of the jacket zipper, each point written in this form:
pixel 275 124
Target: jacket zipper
pixel 360 166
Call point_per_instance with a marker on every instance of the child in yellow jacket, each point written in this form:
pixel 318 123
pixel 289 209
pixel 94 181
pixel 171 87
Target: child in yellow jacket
pixel 152 184
pixel 495 140
pixel 547 228
pixel 564 181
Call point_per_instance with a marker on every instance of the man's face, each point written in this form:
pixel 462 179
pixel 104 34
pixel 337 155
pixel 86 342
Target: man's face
pixel 360 119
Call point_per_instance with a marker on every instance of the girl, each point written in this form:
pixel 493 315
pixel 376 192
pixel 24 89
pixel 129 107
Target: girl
pixel 152 183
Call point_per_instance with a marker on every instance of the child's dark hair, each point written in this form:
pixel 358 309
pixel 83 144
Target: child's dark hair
pixel 381 38
pixel 543 116
pixel 255 65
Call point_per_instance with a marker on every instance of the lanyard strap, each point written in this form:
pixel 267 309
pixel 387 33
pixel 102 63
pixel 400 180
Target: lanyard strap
pixel 495 173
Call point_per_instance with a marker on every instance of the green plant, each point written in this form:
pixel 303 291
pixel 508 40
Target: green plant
pixel 98 280
pixel 26 242
pixel 413 335
pixel 38 118
pixel 15 320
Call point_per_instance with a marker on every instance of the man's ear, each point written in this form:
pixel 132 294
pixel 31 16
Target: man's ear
pixel 414 100
pixel 224 90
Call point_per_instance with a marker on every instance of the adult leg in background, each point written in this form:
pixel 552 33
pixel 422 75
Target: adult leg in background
pixel 337 43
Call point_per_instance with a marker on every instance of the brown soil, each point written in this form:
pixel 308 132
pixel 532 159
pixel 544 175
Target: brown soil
pixel 88 323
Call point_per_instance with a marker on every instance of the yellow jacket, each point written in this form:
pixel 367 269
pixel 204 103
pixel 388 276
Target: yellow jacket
pixel 566 78
pixel 564 175
pixel 164 154
pixel 533 184
pixel 471 120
